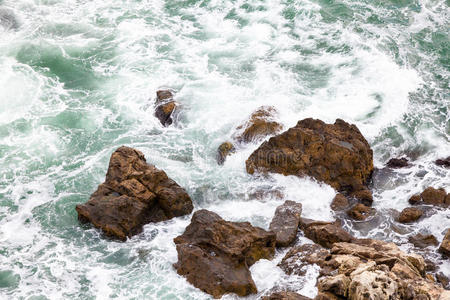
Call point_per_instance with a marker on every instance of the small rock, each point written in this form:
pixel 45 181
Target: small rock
pixel 324 233
pixel 285 296
pixel 363 196
pixel 444 280
pixel 223 151
pixel 260 124
pixel 340 202
pixel 433 196
pixel 445 245
pixel 214 254
pixel 410 214
pixel 359 212
pixel 443 162
pixel 422 241
pixel 285 222
pixel 165 107
pixel 397 163
pixel 415 199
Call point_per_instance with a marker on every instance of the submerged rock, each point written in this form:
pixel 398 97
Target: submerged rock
pixel 285 296
pixel 443 162
pixel 445 245
pixel 410 214
pixel 397 163
pixel 134 193
pixel 336 154
pixel 285 222
pixel 165 106
pixel 422 241
pixel 214 254
pixel 224 150
pixel 324 233
pixel 359 212
pixel 299 258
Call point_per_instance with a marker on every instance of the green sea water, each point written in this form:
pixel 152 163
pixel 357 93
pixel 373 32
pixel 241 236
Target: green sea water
pixel 78 79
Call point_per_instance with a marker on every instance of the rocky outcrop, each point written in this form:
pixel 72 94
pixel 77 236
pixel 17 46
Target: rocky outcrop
pixel 431 196
pixel 134 193
pixel 410 214
pixel 359 212
pixel 445 245
pixel 443 162
pixel 397 163
pixel 285 223
pixel 262 123
pixel 165 106
pixel 336 154
pixel 214 254
pixel 422 241
pixel 365 269
pixel 224 150
pixel 340 202
pixel 324 233
pixel 285 296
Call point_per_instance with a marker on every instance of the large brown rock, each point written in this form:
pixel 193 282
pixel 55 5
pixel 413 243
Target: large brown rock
pixel 336 154
pixel 223 151
pixel 445 245
pixel 134 193
pixel 165 106
pixel 433 196
pixel 214 254
pixel 410 214
pixel 324 233
pixel 285 222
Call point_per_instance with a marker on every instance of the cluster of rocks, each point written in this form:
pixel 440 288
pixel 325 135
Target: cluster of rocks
pixel 215 255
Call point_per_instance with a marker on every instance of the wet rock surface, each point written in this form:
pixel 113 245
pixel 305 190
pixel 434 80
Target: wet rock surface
pixel 443 162
pixel 225 149
pixel 214 254
pixel 397 163
pixel 165 107
pixel 336 154
pixel 299 258
pixel 285 223
pixel 422 241
pixel 431 196
pixel 410 214
pixel 134 193
pixel 340 202
pixel 444 248
pixel 360 212
pixel 324 233
pixel 285 296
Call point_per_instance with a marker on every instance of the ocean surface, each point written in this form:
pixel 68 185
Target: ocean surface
pixel 78 79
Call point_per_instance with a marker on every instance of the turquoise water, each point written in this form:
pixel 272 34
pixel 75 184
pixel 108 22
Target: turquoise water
pixel 78 80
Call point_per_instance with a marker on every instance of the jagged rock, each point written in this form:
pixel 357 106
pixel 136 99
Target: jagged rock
pixel 260 125
pixel 336 154
pixel 431 196
pixel 397 163
pixel 337 285
pixel 444 280
pixel 324 233
pixel 223 151
pixel 285 222
pixel 340 202
pixel 299 258
pixel 285 296
pixel 445 245
pixel 422 241
pixel 359 212
pixel 415 199
pixel 443 162
pixel 165 106
pixel 134 193
pixel 363 196
pixel 410 214
pixel 214 254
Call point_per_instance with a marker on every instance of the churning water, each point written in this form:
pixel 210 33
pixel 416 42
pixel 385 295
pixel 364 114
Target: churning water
pixel 77 79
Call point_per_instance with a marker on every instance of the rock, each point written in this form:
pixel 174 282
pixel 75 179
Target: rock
pixel 260 125
pixel 134 193
pixel 415 199
pixel 340 202
pixel 359 212
pixel 422 241
pixel 445 245
pixel 214 254
pixel 433 196
pixel 336 154
pixel 299 258
pixel 337 285
pixel 444 280
pixel 285 223
pixel 363 196
pixel 285 296
pixel 8 19
pixel 165 106
pixel 443 162
pixel 372 283
pixel 397 163
pixel 410 214
pixel 324 233
pixel 223 151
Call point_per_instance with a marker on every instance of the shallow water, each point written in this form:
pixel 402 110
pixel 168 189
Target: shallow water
pixel 78 78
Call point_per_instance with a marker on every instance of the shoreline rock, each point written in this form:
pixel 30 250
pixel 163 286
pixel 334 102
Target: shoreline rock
pixel 397 163
pixel 134 194
pixel 431 196
pixel 165 107
pixel 214 255
pixel 410 214
pixel 285 223
pixel 444 248
pixel 324 233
